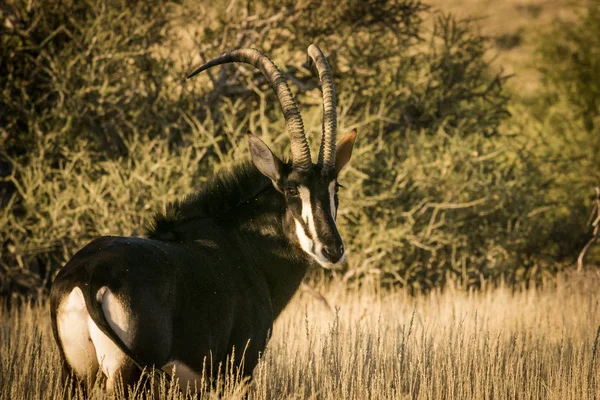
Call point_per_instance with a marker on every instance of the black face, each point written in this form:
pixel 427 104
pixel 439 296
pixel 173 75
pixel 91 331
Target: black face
pixel 311 199
pixel 312 202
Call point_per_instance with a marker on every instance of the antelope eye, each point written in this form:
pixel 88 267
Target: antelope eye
pixel 292 191
pixel 337 187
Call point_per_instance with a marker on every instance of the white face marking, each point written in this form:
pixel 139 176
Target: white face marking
pixel 304 240
pixel 332 198
pixel 308 243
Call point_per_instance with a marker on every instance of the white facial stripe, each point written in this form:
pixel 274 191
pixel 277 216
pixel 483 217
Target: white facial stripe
pixel 307 245
pixel 307 216
pixel 305 241
pixel 307 213
pixel 306 208
pixel 332 198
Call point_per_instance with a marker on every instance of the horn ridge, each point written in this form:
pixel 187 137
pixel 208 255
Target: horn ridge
pixel 329 125
pixel 293 119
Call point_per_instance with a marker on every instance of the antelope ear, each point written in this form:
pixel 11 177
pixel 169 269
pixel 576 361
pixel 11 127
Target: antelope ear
pixel 344 150
pixel 264 159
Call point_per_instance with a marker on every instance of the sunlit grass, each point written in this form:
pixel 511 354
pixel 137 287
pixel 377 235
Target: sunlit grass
pixel 380 344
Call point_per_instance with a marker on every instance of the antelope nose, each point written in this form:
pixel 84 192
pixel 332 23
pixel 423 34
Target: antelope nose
pixel 334 253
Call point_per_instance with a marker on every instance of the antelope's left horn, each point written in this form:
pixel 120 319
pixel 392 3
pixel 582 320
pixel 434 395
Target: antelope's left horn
pixel 293 119
pixel 327 150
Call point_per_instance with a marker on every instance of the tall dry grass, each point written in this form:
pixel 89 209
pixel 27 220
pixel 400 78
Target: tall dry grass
pixel 454 344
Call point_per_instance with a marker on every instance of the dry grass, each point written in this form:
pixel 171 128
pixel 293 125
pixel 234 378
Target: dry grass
pixel 497 343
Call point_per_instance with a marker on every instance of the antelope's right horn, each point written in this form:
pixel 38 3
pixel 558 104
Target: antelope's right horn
pixel 327 150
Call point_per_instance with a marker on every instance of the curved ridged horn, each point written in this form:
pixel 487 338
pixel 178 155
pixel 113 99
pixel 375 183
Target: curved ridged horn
pixel 327 150
pixel 293 120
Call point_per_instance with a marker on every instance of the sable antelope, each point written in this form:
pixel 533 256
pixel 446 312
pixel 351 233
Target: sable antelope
pixel 216 268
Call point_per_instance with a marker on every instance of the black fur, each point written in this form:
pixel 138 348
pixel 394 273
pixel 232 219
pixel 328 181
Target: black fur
pixel 218 197
pixel 214 273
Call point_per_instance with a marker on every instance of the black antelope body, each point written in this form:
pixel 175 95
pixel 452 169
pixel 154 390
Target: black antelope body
pixel 217 268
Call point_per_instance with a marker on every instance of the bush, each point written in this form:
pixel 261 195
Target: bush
pixel 85 70
pixel 560 132
pixel 570 64
pixel 108 133
pixel 456 208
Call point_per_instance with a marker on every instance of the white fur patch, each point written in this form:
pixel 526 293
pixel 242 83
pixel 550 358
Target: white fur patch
pixel 307 243
pixel 304 240
pixel 71 321
pixel 108 354
pixel 332 199
pixel 186 376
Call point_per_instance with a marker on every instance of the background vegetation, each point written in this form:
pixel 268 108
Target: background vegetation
pixel 462 179
pixel 455 177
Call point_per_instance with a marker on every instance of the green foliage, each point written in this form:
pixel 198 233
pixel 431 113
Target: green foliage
pixel 569 109
pixel 84 69
pixel 380 52
pixel 99 130
pixel 571 63
pixel 560 132
pixel 453 208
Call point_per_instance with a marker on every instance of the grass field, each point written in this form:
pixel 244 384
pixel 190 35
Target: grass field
pixel 496 343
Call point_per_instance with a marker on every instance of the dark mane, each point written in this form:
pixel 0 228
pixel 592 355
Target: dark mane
pixel 222 193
